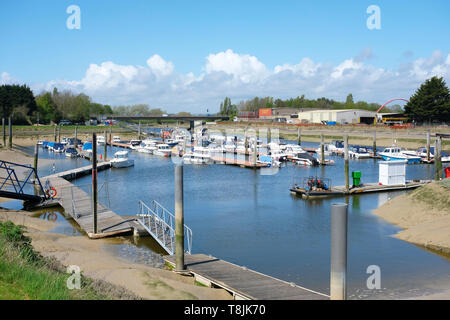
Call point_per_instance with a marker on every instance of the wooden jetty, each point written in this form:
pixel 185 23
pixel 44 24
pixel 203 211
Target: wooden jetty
pixel 238 162
pixel 243 283
pixel 365 188
pixel 78 204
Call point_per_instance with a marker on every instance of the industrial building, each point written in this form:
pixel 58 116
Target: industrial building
pixel 344 116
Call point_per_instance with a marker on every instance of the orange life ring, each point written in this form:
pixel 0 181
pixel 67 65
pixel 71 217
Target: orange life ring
pixel 51 192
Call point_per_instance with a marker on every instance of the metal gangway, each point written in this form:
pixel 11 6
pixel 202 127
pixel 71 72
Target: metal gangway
pixel 160 223
pixel 13 187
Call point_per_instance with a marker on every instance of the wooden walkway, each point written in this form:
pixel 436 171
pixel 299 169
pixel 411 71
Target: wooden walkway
pixel 78 205
pixel 238 162
pixel 243 283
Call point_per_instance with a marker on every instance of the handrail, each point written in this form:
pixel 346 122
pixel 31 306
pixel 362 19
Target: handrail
pixel 162 221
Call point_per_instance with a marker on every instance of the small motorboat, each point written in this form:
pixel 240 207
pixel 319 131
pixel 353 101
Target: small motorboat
pixel 305 159
pixel 395 153
pixel 116 139
pixel 200 155
pixel 40 142
pixel 101 140
pixel 358 152
pixel 134 144
pixel 58 147
pixel 71 152
pixel 163 150
pixel 121 160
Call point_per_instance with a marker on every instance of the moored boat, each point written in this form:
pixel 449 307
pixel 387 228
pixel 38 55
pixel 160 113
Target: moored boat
pixel 121 160
pixel 395 153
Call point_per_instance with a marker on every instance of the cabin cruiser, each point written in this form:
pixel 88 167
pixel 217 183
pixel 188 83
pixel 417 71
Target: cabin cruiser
pixel 199 155
pixel 121 160
pixel 147 146
pixel 358 152
pixel 305 159
pixel 134 144
pixel 116 139
pixel 71 153
pixel 293 149
pixel 172 142
pixel 269 161
pixel 395 153
pixel 163 150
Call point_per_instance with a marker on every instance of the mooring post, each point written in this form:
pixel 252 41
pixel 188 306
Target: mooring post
pixel 428 144
pixel 299 136
pixel 94 180
pixel 179 219
pixel 54 132
pixel 338 268
pixel 269 135
pixel 255 153
pixel 36 155
pixel 374 146
pixel 75 142
pixel 59 132
pixel 322 150
pixel 437 159
pixel 4 132
pixel 139 131
pixel 110 135
pixel 346 168
pixel 105 152
pixel 10 132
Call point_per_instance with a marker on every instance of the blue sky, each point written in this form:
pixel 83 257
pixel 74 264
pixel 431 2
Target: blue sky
pixel 37 48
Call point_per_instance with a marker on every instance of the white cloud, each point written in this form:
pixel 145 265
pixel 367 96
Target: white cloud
pixel 242 76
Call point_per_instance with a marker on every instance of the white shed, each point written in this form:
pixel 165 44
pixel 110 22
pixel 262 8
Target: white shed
pixel 392 172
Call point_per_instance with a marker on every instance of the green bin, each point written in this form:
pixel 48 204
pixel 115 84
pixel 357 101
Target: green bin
pixel 356 175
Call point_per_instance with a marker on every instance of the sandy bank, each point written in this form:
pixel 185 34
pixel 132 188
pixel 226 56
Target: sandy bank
pixel 424 214
pixel 97 263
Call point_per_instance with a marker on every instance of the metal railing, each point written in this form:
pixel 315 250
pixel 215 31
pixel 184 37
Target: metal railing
pixel 160 223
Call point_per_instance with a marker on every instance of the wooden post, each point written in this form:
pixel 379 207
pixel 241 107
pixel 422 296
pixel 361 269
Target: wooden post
pixel 4 132
pixel 139 131
pixel 110 135
pixel 374 147
pixel 54 132
pixel 269 135
pixel 105 152
pixel 76 137
pixel 428 145
pixel 36 156
pixel 322 150
pixel 338 274
pixel 179 219
pixel 299 136
pixel 59 132
pixel 255 153
pixel 94 180
pixel 346 168
pixel 437 159
pixel 10 132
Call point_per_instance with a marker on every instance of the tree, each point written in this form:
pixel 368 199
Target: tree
pixel 17 101
pixel 349 100
pixel 431 102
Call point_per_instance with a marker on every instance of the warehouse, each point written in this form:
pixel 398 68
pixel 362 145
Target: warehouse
pixel 344 116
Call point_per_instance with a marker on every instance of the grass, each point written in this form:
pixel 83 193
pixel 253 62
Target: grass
pixel 436 196
pixel 26 275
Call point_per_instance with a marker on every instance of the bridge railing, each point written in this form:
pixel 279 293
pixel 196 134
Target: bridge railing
pixel 9 180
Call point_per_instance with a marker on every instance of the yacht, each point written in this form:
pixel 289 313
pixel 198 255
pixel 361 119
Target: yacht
pixel 422 152
pixel 305 159
pixel 121 160
pixel 135 144
pixel 147 146
pixel 395 153
pixel 200 155
pixel 293 149
pixel 163 150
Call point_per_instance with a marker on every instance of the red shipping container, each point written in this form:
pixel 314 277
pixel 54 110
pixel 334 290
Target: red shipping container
pixel 265 112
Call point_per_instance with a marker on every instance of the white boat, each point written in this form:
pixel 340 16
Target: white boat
pixel 395 153
pixel 40 142
pixel 100 140
pixel 147 146
pixel 65 140
pixel 121 160
pixel 134 144
pixel 163 150
pixel 358 152
pixel 116 139
pixel 305 159
pixel 293 149
pixel 200 155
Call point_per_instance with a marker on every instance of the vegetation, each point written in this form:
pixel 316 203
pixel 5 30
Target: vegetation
pixel 24 274
pixel 430 103
pixel 17 102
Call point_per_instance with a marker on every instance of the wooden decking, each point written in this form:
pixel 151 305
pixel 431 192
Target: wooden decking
pixel 77 204
pixel 241 282
pixel 238 162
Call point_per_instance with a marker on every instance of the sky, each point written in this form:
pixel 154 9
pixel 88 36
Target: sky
pixel 189 55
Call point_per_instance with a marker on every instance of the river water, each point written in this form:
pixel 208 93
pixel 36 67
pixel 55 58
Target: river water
pixel 249 219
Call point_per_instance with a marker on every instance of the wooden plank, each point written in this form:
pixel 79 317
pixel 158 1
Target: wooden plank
pixel 243 281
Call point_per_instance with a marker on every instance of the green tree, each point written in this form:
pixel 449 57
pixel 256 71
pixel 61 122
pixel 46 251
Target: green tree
pixel 17 101
pixel 431 102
